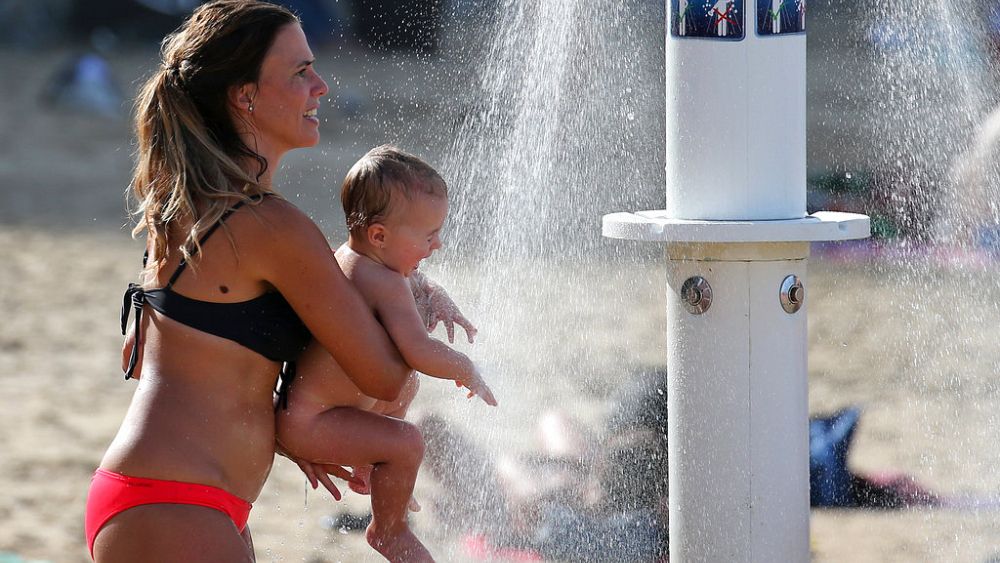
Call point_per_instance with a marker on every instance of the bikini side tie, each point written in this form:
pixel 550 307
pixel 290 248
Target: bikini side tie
pixel 134 298
pixel 285 379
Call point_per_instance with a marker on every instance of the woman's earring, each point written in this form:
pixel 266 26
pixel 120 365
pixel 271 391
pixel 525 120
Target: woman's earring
pixel 250 107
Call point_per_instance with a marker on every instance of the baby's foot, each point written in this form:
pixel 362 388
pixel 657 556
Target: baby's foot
pixel 400 545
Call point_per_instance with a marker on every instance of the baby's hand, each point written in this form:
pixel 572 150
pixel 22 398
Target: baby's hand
pixel 443 309
pixel 436 306
pixel 477 386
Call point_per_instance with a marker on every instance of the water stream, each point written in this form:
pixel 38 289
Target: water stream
pixel 562 122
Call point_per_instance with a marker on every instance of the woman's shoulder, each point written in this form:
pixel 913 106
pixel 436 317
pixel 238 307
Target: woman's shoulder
pixel 276 208
pixel 275 230
pixel 273 218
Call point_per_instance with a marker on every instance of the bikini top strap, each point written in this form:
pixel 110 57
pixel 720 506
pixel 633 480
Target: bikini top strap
pixel 183 264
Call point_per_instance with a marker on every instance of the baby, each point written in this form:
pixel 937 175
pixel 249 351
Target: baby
pixel 395 206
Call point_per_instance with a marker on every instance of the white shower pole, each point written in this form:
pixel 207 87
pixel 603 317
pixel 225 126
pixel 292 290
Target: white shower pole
pixel 737 237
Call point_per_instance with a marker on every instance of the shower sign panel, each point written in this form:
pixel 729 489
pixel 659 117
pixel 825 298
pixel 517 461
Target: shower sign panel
pixel 781 17
pixel 707 19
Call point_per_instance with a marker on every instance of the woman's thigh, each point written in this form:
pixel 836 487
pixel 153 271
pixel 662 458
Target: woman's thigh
pixel 171 532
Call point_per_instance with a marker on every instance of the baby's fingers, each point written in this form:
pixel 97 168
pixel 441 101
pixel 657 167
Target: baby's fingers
pixel 470 329
pixel 484 393
pixel 450 326
pixel 487 396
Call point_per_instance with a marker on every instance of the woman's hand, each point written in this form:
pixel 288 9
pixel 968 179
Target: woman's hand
pixel 319 473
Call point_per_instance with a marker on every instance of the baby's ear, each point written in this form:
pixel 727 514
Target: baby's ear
pixel 376 235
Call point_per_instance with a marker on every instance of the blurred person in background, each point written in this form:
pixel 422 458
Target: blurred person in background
pixel 584 497
pixel 970 214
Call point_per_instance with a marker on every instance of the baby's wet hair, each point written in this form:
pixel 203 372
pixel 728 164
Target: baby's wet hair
pixel 368 188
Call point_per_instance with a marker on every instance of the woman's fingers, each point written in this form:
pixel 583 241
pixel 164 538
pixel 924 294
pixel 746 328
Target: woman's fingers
pixel 308 470
pixel 319 473
pixel 329 486
pixel 340 472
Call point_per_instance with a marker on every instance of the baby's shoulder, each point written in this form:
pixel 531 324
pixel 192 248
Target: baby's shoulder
pixel 380 281
pixel 372 279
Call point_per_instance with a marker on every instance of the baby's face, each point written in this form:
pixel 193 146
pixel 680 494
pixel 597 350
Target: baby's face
pixel 412 231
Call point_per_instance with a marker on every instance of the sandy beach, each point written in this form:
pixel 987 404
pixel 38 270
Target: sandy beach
pixel 914 344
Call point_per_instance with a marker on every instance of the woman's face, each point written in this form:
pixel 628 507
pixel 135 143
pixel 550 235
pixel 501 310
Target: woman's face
pixel 286 98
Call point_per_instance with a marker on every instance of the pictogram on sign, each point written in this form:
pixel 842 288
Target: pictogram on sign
pixel 707 19
pixel 781 17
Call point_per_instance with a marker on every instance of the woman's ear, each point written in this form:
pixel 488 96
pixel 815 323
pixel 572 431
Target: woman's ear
pixel 376 235
pixel 242 97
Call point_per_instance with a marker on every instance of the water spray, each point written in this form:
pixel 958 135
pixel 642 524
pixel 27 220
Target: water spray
pixel 737 240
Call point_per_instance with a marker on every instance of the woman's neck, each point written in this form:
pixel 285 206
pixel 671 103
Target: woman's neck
pixel 270 155
pixel 266 177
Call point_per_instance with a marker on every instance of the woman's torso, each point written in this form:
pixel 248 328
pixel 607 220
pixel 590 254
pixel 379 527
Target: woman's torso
pixel 203 410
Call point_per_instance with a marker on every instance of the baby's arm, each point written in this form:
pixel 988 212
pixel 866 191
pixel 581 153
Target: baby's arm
pixel 396 308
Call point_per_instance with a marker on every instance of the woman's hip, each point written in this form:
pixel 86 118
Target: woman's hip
pixel 113 493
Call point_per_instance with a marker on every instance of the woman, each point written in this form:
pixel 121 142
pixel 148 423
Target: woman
pixel 219 309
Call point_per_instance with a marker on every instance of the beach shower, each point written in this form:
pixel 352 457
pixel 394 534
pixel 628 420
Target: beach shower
pixel 737 239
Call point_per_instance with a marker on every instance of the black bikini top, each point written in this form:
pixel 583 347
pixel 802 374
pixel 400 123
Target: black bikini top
pixel 266 324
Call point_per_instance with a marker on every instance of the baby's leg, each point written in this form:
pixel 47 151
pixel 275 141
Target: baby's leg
pixel 395 448
pixel 395 409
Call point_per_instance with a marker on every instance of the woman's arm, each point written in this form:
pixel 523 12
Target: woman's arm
pixel 399 407
pixel 294 256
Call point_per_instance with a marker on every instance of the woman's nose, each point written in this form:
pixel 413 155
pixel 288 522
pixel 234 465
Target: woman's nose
pixel 320 88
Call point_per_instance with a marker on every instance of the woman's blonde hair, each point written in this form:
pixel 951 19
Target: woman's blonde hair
pixel 366 194
pixel 191 161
